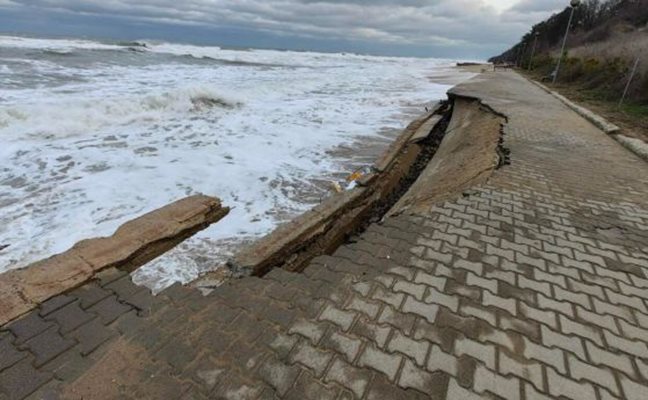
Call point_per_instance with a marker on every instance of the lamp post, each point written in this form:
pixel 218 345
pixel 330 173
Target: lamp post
pixel 573 4
pixel 535 42
pixel 627 86
pixel 520 60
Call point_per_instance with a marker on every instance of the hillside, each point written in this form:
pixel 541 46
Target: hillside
pixel 605 40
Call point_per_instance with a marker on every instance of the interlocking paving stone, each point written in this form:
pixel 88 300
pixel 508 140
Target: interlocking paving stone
pixel 55 303
pixel 489 381
pixel 22 379
pixel 28 326
pixel 70 317
pixel 345 345
pixel 352 378
pixel 47 346
pixel 89 295
pixel 177 354
pixel 342 318
pixel 68 365
pixel 416 350
pixel 109 309
pixel 381 361
pixel 399 320
pixel 425 310
pixel 309 388
pixel 9 354
pixel 279 375
pixel 125 288
pixel 91 335
pixel 532 286
pixel 109 275
pixel 523 369
pixel 315 359
pixel 309 329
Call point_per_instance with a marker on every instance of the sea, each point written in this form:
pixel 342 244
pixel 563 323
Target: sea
pixel 94 133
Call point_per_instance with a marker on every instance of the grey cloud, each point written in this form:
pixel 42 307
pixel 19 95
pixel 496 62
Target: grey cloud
pixel 461 24
pixel 539 5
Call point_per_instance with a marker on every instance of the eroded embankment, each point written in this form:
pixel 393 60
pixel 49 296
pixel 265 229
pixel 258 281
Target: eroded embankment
pixel 439 155
pixel 471 150
pixel 327 226
pixel 447 150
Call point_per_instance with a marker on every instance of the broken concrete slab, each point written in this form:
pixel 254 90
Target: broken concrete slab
pixel 385 160
pixel 132 245
pixel 467 156
pixel 289 237
pixel 326 226
pixel 424 130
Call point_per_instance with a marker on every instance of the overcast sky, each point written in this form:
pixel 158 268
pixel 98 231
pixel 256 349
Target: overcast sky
pixel 441 28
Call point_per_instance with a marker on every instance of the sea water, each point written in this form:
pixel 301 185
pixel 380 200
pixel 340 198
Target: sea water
pixel 95 133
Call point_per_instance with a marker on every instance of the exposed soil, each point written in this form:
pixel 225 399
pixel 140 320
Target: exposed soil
pixel 429 147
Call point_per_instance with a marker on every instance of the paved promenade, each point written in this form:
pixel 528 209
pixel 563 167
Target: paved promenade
pixel 533 286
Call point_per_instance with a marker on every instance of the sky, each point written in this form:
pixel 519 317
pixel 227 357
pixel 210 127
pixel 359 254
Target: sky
pixel 467 29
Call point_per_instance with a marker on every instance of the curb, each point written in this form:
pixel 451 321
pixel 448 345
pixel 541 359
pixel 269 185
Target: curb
pixel 596 119
pixel 637 146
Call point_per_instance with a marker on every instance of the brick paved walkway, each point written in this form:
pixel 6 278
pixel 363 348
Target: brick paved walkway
pixel 533 286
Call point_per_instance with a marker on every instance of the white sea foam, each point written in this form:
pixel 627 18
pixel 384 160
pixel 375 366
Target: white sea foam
pixel 270 57
pixel 44 118
pixel 60 45
pixel 101 143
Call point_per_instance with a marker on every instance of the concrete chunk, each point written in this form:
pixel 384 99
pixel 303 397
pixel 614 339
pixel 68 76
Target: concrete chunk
pixel 133 244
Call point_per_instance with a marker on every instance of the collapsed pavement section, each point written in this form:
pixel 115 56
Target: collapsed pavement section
pixel 133 244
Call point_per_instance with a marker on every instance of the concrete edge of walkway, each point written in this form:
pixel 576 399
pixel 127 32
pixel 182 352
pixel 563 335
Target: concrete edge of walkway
pixel 325 226
pixel 637 146
pixel 466 157
pixel 133 244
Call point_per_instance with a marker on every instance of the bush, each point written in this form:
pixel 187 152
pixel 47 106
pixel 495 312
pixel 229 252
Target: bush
pixel 606 77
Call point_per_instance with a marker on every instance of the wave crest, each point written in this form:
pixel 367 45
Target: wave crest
pixel 57 119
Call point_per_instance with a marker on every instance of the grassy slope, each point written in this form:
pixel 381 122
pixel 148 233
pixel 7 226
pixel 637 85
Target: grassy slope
pixel 598 60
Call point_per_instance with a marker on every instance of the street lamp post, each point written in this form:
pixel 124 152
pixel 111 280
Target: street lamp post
pixel 535 42
pixel 627 86
pixel 520 61
pixel 573 4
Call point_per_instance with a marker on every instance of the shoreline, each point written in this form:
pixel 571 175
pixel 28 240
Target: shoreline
pixel 317 231
pixel 362 151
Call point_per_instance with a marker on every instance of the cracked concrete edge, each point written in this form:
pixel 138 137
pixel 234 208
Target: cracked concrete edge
pixel 133 244
pixel 284 244
pixel 386 160
pixel 466 157
pixel 290 237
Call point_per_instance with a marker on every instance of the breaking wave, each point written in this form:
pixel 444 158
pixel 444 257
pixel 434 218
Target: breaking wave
pixel 57 45
pixel 134 43
pixel 57 119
